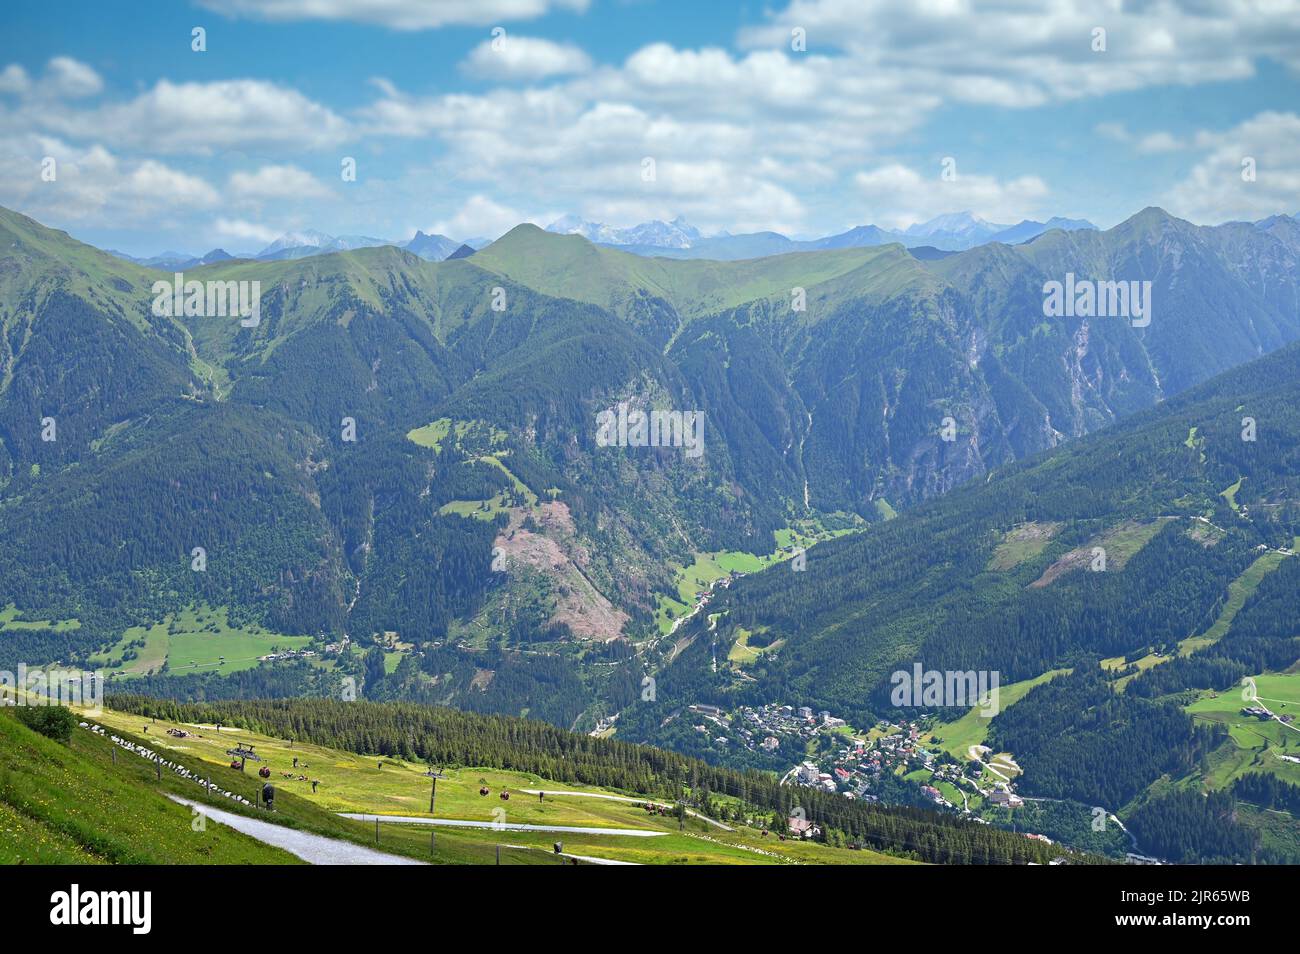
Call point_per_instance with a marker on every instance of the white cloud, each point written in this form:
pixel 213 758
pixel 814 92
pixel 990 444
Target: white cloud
pixel 242 230
pixel 898 196
pixel 63 78
pixel 766 75
pixel 92 186
pixel 478 217
pixel 1160 142
pixel 206 117
pixel 1117 132
pixel 523 57
pixel 276 182
pixel 1153 142
pixel 152 181
pixel 14 79
pixel 1020 53
pixel 761 138
pixel 67 77
pixel 1214 191
pixel 554 143
pixel 734 138
pixel 397 14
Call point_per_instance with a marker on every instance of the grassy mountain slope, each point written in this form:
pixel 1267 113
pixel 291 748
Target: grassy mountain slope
pixel 374 783
pixel 77 345
pixel 569 266
pixel 997 575
pixel 176 434
pixel 70 804
pixel 372 757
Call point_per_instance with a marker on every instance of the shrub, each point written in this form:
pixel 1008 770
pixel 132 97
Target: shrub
pixel 56 722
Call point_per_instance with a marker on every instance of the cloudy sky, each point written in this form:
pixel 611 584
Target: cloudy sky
pixel 466 117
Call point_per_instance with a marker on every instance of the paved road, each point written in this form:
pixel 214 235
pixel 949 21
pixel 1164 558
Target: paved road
pixel 316 849
pixel 626 798
pixel 502 826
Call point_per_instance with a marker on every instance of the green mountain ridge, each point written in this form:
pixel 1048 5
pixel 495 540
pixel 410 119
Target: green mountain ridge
pixel 282 449
pixel 1001 576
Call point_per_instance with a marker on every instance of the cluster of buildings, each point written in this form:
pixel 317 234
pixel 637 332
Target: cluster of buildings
pixel 763 728
pixel 1003 796
pixel 857 766
pixel 1259 712
pixel 286 654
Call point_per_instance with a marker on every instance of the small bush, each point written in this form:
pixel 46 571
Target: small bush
pixel 56 722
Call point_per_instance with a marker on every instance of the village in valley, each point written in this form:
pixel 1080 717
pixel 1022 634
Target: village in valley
pixel 893 762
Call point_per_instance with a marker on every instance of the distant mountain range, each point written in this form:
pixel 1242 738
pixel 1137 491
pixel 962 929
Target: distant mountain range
pixel 675 234
pixel 310 242
pixel 953 232
pixel 432 248
pixel 934 239
pixel 295 245
pixel 171 259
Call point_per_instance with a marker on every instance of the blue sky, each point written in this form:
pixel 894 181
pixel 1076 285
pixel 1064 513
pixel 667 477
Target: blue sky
pixel 158 146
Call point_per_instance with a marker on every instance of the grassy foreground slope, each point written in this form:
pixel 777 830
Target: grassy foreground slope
pixel 69 804
pixel 477 751
pixel 378 785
